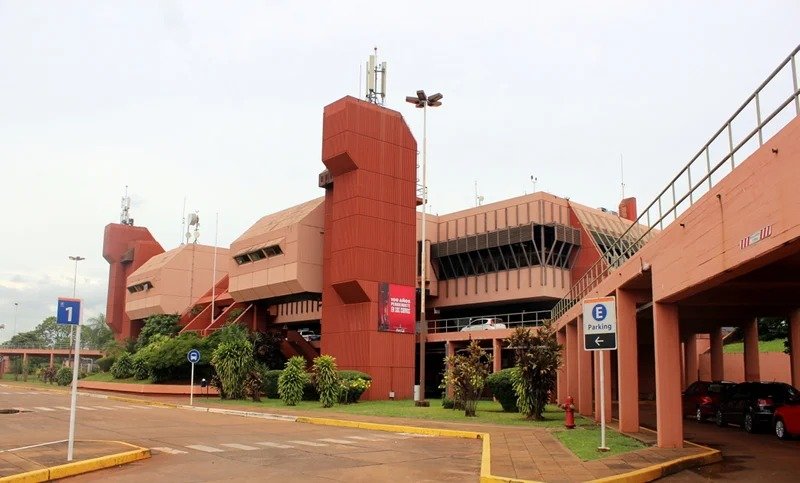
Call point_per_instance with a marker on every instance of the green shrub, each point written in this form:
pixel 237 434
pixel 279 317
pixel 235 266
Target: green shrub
pixel 354 383
pixel 327 380
pixel 64 376
pixel 502 386
pixel 233 361
pixel 292 380
pixel 310 392
pixel 105 363
pixel 270 383
pixel 447 403
pixel 123 366
pixel 253 383
pixel 139 366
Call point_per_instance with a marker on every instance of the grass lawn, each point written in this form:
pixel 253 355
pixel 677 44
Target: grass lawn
pixel 763 346
pixel 584 440
pixel 32 380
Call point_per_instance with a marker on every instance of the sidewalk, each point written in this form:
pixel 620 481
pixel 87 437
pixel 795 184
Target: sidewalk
pixel 49 457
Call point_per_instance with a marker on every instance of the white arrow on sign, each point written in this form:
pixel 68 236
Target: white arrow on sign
pixel 598 341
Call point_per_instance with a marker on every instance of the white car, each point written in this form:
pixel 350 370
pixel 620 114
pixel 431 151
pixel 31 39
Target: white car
pixel 308 334
pixel 484 323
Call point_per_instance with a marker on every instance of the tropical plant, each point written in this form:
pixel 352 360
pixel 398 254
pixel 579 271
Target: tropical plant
pixel 105 363
pixel 233 361
pixel 139 366
pixel 327 380
pixel 161 324
pixel 270 383
pixel 234 314
pixel 96 334
pixel 48 374
pixel 253 383
pixel 123 366
pixel 538 357
pixel 64 376
pixel 267 346
pixel 501 384
pixel 354 384
pixel 466 373
pixel 292 380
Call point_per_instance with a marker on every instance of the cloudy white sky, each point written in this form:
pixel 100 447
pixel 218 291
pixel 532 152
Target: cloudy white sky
pixel 222 104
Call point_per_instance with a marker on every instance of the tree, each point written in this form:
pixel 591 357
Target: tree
pixel 233 361
pixel 47 334
pixel 292 381
pixel 327 380
pixel 466 373
pixel 96 334
pixel 162 324
pixel 538 357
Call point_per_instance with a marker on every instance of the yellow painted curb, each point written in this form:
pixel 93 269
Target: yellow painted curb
pixel 81 467
pixel 660 470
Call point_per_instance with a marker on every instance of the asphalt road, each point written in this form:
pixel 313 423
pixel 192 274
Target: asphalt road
pixel 746 457
pixel 199 447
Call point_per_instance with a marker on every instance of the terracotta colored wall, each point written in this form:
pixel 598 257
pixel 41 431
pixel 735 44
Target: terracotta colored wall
pixel 588 253
pixel 369 227
pixel 184 269
pixel 774 367
pixel 119 241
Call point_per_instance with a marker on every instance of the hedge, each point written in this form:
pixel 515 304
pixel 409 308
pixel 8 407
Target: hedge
pixel 502 387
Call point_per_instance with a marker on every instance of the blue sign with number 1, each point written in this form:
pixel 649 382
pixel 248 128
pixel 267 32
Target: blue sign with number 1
pixel 68 311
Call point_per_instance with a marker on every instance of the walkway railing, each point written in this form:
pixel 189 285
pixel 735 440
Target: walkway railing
pixel 57 346
pixel 511 321
pixel 700 175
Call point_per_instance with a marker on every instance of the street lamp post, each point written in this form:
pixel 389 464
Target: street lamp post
pixel 421 101
pixel 76 259
pixel 16 306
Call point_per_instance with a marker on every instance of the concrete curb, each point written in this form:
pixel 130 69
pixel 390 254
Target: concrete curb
pixel 661 470
pixel 81 467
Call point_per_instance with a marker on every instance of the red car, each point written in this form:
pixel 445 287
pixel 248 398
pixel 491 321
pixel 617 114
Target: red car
pixel 786 420
pixel 701 399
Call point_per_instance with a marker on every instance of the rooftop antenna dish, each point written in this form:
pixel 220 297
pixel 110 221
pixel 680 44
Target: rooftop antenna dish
pixel 125 217
pixel 194 221
pixel 534 179
pixel 375 70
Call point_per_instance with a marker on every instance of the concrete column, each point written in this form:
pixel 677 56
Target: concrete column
pixel 583 402
pixel 717 364
pixel 52 359
pixel 794 343
pixel 572 360
pixel 561 375
pixel 449 350
pixel 24 361
pixel 497 352
pixel 691 361
pixel 666 338
pixel 627 362
pixel 607 369
pixel 752 370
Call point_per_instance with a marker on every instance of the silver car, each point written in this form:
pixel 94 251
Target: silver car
pixel 484 323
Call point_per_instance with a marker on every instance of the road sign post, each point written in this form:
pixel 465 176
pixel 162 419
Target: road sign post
pixel 600 334
pixel 68 312
pixel 194 357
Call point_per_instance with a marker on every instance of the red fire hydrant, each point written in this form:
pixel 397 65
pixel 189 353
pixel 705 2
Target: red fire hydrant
pixel 569 412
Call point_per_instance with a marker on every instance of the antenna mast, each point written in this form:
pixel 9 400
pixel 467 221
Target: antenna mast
pixel 125 217
pixel 376 95
pixel 622 175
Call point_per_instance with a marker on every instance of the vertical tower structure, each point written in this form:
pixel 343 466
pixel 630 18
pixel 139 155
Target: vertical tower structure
pixel 370 227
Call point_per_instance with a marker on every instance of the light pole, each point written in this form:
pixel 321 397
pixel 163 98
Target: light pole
pixel 423 102
pixel 16 306
pixel 76 259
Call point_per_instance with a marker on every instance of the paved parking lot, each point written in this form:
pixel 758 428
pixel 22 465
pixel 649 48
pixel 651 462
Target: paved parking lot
pixel 194 446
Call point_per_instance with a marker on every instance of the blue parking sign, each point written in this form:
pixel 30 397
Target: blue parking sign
pixel 68 311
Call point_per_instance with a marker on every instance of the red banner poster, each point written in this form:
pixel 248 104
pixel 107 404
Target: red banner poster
pixel 396 308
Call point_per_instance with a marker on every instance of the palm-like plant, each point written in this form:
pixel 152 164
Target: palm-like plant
pixel 292 381
pixel 538 357
pixel 327 380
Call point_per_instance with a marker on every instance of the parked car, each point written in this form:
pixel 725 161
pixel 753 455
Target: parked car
pixel 484 323
pixel 786 420
pixel 702 398
pixel 308 334
pixel 752 404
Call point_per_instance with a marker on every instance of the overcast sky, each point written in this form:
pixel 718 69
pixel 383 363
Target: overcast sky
pixel 221 103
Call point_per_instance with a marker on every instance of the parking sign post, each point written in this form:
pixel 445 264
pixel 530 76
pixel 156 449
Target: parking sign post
pixel 68 312
pixel 600 334
pixel 194 357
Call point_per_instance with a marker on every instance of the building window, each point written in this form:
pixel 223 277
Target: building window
pixel 140 287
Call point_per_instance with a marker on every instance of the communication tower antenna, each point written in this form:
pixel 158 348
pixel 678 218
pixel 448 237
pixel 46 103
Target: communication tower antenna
pixel 125 217
pixel 622 175
pixel 375 94
pixel 194 221
pixel 478 198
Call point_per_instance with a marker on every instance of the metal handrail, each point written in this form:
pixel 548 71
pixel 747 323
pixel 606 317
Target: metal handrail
pixel 611 259
pixel 59 346
pixel 509 320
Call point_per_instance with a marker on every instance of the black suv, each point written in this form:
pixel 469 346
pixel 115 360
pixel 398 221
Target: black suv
pixel 752 404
